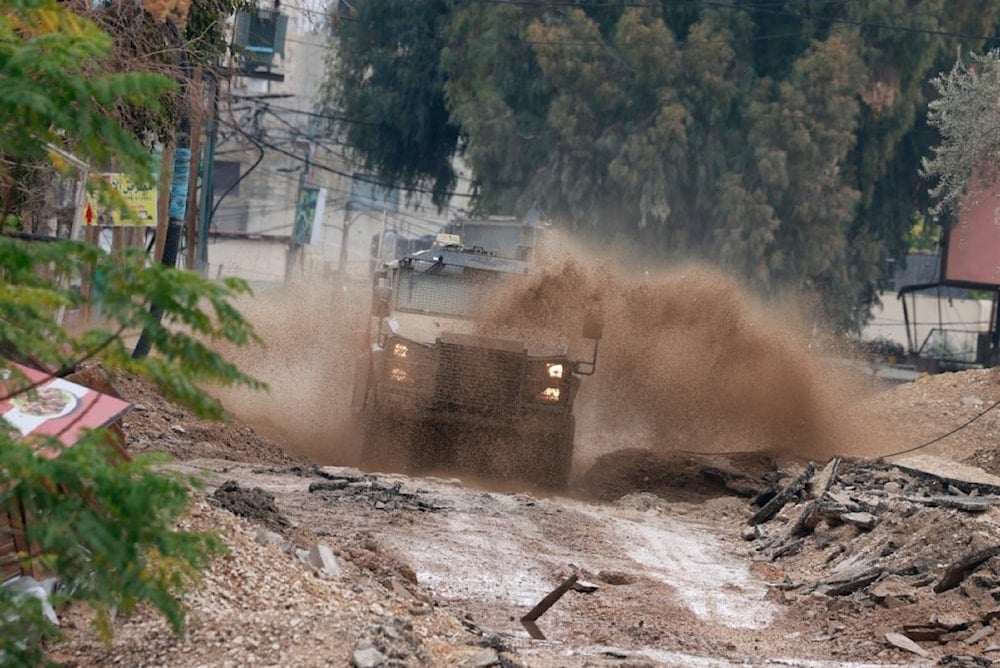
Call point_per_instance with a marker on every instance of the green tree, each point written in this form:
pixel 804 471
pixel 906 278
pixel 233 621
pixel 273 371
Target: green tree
pixel 968 117
pixel 106 528
pixel 780 140
pixel 402 131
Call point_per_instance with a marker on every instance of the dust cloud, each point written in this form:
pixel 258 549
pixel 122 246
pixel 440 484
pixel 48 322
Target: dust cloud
pixel 311 336
pixel 690 361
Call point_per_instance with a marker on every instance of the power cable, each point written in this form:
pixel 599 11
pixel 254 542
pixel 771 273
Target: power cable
pixel 236 182
pixel 947 434
pixel 333 170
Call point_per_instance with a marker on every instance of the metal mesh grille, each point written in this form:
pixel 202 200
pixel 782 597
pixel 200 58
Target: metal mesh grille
pixel 478 380
pixel 446 293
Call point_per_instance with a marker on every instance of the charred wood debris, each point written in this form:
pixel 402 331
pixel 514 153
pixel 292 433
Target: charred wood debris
pixel 885 535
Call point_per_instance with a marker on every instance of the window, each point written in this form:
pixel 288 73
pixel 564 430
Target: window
pixel 225 173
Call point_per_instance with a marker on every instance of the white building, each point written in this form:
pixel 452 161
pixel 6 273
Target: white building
pixel 270 141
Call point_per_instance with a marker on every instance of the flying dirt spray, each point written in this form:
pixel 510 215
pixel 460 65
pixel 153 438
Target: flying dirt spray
pixel 687 362
pixel 311 335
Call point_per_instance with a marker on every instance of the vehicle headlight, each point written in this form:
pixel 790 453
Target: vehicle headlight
pixel 550 395
pixel 548 382
pixel 406 362
pixel 398 375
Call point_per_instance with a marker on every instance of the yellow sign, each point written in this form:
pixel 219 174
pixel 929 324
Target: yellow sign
pixel 142 202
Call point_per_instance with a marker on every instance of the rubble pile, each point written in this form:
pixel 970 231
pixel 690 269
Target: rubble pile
pixel 922 546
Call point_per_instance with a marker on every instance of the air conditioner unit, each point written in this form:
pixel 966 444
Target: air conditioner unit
pixel 259 36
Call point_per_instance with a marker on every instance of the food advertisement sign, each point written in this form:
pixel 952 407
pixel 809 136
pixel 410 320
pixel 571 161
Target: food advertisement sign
pixel 141 201
pixel 53 407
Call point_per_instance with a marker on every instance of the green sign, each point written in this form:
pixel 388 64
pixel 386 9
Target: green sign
pixel 305 213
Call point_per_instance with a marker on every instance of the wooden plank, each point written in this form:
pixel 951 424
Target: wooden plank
pixel 15 516
pixel 550 599
pixel 117 238
pixel 778 501
pixel 10 566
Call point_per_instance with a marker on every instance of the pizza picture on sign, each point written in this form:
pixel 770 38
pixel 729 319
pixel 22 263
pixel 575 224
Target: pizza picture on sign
pixel 45 402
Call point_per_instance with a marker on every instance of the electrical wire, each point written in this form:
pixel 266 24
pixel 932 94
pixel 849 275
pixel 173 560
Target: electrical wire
pixel 947 434
pixel 891 454
pixel 333 170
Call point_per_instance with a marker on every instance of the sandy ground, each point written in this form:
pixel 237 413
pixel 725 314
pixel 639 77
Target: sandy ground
pixel 439 571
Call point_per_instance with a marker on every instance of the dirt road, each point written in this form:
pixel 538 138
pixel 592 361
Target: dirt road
pixel 437 572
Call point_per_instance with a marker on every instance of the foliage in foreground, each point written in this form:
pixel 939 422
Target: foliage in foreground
pixel 55 92
pixel 104 526
pixel 107 529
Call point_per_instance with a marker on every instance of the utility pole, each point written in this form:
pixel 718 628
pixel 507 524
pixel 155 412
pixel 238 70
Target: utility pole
pixel 178 187
pixel 344 230
pixel 300 226
pixel 207 198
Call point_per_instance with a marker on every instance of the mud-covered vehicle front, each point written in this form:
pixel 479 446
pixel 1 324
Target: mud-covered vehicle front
pixel 437 389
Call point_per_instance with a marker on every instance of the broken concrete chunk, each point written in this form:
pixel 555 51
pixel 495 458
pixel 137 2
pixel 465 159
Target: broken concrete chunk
pixel 265 537
pixel 893 592
pixel 584 587
pixel 825 478
pixel 482 659
pixel 904 643
pixel 950 621
pixel 367 657
pixel 849 586
pixel 772 507
pixel 970 504
pixel 980 635
pixel 321 557
pixel 962 568
pixel 896 602
pixel 844 501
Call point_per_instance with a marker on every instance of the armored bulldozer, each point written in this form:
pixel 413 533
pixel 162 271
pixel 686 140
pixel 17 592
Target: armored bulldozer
pixel 434 391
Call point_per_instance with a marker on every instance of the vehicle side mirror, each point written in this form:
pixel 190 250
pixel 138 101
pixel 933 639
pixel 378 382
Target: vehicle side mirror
pixel 381 298
pixel 593 327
